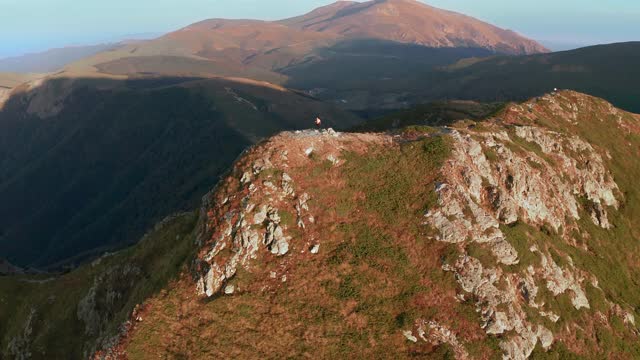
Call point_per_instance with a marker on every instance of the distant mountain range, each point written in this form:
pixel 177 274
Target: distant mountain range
pixel 605 71
pixel 51 60
pixel 260 49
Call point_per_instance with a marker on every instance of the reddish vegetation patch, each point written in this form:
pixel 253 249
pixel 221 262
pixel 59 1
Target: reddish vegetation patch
pixel 332 303
pixel 377 278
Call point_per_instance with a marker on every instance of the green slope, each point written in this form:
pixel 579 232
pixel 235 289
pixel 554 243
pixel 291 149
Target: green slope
pixel 65 317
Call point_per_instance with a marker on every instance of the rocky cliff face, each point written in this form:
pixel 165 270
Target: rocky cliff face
pixel 512 237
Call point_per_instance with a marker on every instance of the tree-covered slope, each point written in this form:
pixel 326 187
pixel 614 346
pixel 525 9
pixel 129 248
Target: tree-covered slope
pixel 87 165
pixel 606 71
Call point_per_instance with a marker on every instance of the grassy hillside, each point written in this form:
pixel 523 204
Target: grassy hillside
pixel 367 274
pixel 88 165
pixel 185 66
pixel 68 316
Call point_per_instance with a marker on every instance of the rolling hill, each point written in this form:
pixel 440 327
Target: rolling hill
pixel 9 81
pixel 51 60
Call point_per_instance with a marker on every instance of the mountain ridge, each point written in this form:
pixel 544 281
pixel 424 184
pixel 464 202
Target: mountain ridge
pixel 434 242
pixel 452 242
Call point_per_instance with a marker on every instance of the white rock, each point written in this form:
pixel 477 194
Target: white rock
pixel 315 249
pixel 246 177
pixel 270 186
pixel 545 336
pixel 213 280
pixel 261 215
pixel 274 238
pixel 229 289
pixel 550 315
pixel 409 335
pixel 286 185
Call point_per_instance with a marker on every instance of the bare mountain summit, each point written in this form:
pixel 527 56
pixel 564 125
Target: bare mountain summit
pixel 410 21
pixel 248 48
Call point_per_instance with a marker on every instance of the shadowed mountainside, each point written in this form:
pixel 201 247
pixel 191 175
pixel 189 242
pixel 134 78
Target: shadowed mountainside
pixel 607 71
pixel 87 165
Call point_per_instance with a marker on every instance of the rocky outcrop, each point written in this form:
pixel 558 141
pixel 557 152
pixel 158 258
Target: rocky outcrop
pixel 583 165
pixel 437 334
pixel 20 346
pixel 505 175
pixel 257 219
pixel 501 178
pixel 97 308
pixel 559 280
pixel 274 238
pixel 500 307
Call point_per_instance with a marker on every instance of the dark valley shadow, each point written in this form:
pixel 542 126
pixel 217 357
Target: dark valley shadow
pixel 88 165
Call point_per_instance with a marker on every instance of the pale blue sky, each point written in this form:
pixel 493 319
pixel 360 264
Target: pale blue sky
pixel 33 25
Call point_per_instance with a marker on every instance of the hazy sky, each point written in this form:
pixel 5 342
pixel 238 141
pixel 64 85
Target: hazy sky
pixel 33 25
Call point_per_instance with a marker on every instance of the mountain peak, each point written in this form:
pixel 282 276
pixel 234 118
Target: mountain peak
pixel 411 21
